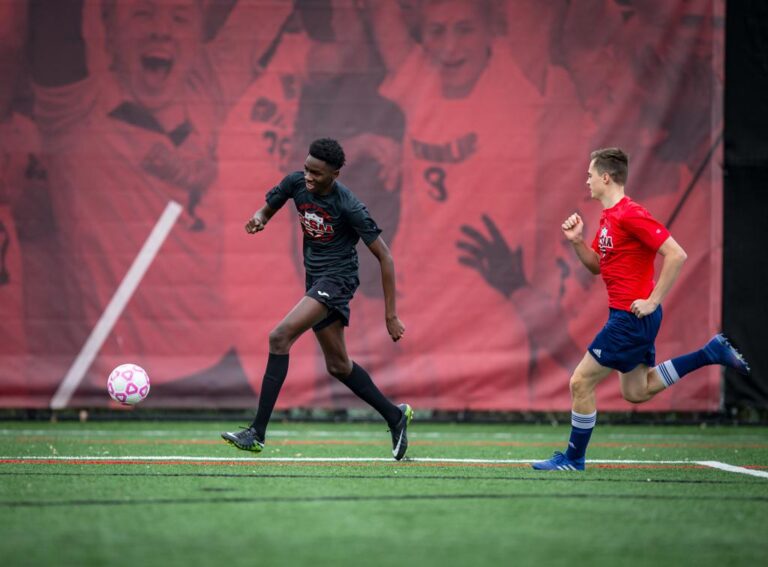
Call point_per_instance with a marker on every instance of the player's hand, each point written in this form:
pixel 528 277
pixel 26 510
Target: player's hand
pixel 395 328
pixel 385 151
pixel 573 227
pixel 254 225
pixel 643 307
pixel 492 257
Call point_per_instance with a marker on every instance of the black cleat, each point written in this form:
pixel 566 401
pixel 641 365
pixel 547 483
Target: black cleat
pixel 245 439
pixel 399 435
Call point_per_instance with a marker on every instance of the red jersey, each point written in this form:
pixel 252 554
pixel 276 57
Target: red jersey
pixel 627 242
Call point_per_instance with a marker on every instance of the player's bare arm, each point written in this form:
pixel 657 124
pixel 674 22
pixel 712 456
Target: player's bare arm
pixel 259 219
pixel 674 258
pixel 390 31
pixel 573 230
pixel 379 248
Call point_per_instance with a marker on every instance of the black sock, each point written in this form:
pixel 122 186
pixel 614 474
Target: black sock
pixel 361 384
pixel 274 376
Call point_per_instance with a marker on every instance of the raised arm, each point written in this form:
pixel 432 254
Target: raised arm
pixel 241 46
pixel 379 248
pixel 391 32
pixel 573 229
pixel 674 258
pixel 57 47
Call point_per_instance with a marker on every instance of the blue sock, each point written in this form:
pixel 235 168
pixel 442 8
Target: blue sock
pixel 670 371
pixel 581 431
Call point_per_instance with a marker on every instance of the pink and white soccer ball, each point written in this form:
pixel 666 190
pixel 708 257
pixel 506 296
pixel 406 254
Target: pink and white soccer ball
pixel 128 384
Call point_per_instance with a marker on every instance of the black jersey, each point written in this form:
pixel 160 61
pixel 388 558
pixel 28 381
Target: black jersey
pixel 332 225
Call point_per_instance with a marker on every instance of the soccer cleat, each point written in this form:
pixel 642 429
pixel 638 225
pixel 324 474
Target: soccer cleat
pixel 720 350
pixel 559 462
pixel 399 433
pixel 244 439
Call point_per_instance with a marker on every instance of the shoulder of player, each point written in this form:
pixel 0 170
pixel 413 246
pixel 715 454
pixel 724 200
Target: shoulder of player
pixel 294 179
pixel 345 194
pixel 633 209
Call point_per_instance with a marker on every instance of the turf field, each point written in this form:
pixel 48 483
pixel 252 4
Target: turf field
pixel 169 493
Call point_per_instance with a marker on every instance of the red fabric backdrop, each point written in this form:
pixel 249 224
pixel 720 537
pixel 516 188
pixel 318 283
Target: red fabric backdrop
pixel 468 127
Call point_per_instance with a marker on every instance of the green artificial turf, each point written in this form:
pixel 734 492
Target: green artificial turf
pixel 464 497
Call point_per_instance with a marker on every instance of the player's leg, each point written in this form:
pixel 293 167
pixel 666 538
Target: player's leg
pixel 339 365
pixel 718 350
pixel 640 384
pixel 588 374
pixel 302 317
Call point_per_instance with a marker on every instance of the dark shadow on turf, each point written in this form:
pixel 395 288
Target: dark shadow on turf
pixel 384 477
pixel 363 498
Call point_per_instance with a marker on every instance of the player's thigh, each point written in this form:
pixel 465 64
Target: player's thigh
pixel 634 384
pixel 306 313
pixel 589 373
pixel 331 339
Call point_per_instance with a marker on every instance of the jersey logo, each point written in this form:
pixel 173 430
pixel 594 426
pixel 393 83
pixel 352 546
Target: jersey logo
pixel 323 294
pixel 597 352
pixel 605 241
pixel 315 223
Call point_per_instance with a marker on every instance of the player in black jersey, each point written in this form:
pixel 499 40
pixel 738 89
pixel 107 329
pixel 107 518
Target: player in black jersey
pixel 333 220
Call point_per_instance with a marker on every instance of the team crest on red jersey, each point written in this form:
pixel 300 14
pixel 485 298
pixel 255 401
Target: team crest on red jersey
pixel 315 222
pixel 605 241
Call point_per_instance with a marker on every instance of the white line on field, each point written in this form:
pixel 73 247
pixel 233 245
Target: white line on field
pixel 733 468
pixel 150 458
pixel 184 458
pixel 116 305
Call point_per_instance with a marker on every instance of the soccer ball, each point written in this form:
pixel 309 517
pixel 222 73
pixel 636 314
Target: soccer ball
pixel 128 384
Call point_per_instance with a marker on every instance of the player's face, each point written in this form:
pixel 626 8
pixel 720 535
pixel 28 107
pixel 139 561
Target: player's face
pixel 319 176
pixel 457 38
pixel 154 44
pixel 595 181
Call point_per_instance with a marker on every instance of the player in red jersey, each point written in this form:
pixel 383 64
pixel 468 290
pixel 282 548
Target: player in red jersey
pixel 623 252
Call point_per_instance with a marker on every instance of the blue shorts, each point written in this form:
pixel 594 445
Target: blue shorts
pixel 335 292
pixel 626 341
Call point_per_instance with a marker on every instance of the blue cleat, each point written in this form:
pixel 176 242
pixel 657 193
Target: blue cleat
pixel 559 462
pixel 721 351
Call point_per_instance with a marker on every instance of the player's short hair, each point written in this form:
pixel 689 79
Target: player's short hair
pixel 614 162
pixel 329 151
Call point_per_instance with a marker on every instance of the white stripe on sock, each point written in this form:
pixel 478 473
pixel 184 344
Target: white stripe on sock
pixel 667 372
pixel 584 420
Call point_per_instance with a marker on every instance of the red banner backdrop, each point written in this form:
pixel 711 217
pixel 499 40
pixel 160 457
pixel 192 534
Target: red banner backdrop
pixel 467 126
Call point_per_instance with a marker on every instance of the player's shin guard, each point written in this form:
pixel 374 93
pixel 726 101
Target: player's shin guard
pixel 582 426
pixel 274 376
pixel 363 387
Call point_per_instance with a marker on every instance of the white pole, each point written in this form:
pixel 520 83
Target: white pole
pixel 116 305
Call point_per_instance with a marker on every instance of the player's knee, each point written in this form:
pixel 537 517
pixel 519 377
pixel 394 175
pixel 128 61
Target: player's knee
pixel 279 340
pixel 579 386
pixel 338 367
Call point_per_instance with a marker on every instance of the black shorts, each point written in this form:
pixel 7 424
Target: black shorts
pixel 335 292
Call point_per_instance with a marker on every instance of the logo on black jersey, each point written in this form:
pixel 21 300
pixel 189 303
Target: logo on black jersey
pixel 315 223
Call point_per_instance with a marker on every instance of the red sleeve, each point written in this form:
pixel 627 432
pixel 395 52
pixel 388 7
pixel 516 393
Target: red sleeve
pixel 596 243
pixel 645 228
